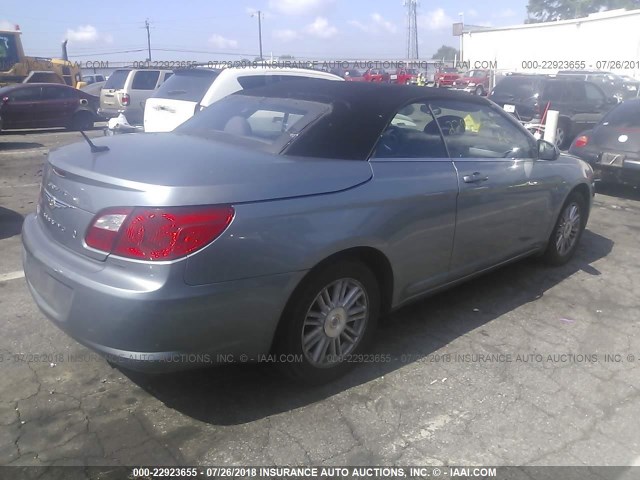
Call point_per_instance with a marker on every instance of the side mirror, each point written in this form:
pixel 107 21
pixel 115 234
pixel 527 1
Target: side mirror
pixel 612 101
pixel 547 150
pixel 5 100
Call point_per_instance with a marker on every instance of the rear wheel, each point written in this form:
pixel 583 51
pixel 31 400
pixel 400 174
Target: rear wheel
pixel 82 121
pixel 567 230
pixel 330 319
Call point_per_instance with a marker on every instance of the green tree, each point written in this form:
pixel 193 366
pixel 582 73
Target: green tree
pixel 447 53
pixel 552 10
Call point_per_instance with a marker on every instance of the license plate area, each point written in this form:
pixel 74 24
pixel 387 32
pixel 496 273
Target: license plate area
pixel 609 159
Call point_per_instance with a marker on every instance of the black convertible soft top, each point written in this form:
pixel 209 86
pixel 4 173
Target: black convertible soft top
pixel 360 113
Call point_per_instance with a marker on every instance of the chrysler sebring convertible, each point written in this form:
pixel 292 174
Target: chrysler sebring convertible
pixel 288 219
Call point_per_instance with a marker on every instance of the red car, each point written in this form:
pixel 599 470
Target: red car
pixel 353 75
pixel 376 75
pixel 474 81
pixel 446 76
pixel 405 76
pixel 44 105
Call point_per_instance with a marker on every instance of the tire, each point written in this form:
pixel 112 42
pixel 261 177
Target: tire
pixel 324 330
pixel 82 121
pixel 563 132
pixel 566 233
pixel 479 90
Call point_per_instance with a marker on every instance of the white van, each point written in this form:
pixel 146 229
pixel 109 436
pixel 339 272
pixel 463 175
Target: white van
pixel 190 90
pixel 126 90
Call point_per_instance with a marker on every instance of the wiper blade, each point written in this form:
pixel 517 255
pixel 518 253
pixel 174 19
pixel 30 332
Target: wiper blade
pixel 94 148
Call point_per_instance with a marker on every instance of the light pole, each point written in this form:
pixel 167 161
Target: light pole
pixel 461 14
pixel 259 15
pixel 147 26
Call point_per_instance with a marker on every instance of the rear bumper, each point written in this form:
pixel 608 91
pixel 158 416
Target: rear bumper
pixel 629 174
pixel 155 323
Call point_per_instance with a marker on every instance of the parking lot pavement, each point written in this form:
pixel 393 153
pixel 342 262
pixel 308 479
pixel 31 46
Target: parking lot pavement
pixel 510 369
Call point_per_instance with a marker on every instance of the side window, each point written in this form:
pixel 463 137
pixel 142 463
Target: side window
pixel 577 91
pixel 167 76
pixel 25 94
pixel 474 130
pixel 55 93
pixel 145 80
pixel 594 95
pixel 407 135
pixel 554 91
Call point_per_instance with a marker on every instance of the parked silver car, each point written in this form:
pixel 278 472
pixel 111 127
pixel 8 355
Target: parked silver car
pixel 287 219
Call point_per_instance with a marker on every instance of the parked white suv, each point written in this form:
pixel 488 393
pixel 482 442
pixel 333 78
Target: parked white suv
pixel 190 90
pixel 127 89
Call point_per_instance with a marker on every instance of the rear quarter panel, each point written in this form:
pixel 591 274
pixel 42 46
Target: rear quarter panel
pixel 407 212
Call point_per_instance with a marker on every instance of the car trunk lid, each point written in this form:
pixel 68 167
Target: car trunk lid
pixel 624 139
pixel 171 169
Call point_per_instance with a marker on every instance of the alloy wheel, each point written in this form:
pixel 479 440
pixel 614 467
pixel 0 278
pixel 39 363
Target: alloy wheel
pixel 335 322
pixel 568 229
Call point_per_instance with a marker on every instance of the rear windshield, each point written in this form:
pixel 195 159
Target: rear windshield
pixel 188 85
pixel 116 80
pixel 516 87
pixel 268 124
pixel 626 114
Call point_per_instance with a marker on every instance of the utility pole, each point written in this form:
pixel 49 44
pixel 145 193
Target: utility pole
pixel 412 28
pixel 146 25
pixel 259 15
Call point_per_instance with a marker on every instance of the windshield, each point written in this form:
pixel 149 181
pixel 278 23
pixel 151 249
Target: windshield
pixel 476 73
pixel 8 51
pixel 516 87
pixel 117 80
pixel 267 124
pixel 189 85
pixel 627 115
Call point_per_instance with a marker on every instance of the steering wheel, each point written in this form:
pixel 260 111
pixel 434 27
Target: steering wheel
pixel 390 139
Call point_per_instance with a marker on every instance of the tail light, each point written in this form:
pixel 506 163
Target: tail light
pixel 157 233
pixel 125 100
pixel 581 141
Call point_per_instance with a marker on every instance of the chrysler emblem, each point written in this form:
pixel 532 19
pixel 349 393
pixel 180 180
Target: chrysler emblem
pixel 54 202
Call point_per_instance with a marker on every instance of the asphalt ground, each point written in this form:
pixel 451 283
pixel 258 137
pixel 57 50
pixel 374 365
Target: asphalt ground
pixel 528 365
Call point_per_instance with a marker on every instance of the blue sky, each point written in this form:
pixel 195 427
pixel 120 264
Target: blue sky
pixel 225 30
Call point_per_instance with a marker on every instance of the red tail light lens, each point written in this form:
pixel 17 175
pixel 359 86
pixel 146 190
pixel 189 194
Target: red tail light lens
pixel 581 141
pixel 157 233
pixel 125 99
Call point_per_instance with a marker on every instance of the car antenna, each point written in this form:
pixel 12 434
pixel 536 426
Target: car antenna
pixel 94 148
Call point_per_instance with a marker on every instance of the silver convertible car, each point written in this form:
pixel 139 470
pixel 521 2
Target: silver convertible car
pixel 286 220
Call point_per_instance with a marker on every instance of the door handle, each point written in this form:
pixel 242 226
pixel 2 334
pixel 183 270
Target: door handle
pixel 475 177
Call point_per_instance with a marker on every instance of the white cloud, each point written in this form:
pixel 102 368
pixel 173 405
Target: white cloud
pixel 285 35
pixel 84 34
pixel 321 28
pixel 300 7
pixel 377 24
pixel 219 41
pixel 435 20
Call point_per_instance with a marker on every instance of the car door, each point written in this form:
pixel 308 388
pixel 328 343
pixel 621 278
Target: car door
pixel 505 196
pixel 18 108
pixel 142 86
pixel 56 106
pixel 419 182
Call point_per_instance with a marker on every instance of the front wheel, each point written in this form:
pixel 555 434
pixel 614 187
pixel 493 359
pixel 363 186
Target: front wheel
pixel 329 321
pixel 567 230
pixel 479 90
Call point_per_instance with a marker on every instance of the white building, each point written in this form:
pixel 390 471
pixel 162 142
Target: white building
pixel 607 41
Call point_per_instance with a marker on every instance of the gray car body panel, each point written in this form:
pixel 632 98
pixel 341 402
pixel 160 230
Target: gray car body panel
pixel 290 215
